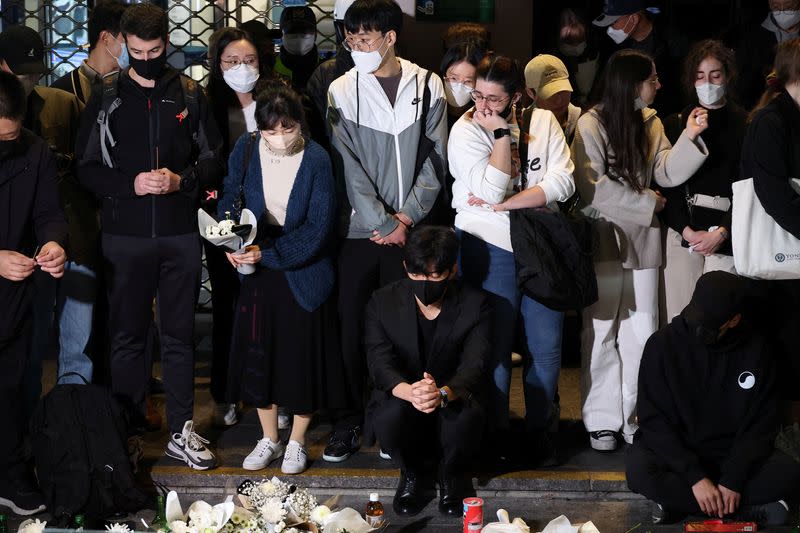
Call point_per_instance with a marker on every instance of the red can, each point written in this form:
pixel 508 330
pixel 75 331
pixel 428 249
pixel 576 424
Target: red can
pixel 473 514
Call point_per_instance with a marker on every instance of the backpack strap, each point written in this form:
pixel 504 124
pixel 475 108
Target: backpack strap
pixel 238 202
pixel 524 135
pixel 102 133
pixel 77 89
pixel 191 97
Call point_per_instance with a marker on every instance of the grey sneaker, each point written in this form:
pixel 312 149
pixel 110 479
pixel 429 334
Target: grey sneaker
pixel 295 459
pixel 190 448
pixel 263 454
pixel 766 514
pixel 284 419
pixel 225 414
pixel 603 441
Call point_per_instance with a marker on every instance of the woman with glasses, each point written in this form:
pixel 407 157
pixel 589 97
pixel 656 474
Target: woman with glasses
pixel 235 67
pixel 484 161
pixel 459 65
pixel 619 150
pixel 285 349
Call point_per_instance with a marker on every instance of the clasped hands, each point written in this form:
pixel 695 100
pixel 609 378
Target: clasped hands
pixel 398 236
pixel 159 181
pixel 15 266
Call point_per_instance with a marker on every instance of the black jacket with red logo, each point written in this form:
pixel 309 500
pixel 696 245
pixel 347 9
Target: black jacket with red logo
pixel 151 130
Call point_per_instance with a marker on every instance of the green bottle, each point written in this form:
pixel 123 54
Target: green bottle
pixel 78 522
pixel 3 524
pixel 160 520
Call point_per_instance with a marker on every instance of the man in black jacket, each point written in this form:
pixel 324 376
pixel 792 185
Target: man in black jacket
pixel 427 343
pixel 708 415
pixel 146 165
pixel 32 234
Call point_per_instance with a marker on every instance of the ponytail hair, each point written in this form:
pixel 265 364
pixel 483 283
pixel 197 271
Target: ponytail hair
pixel 786 70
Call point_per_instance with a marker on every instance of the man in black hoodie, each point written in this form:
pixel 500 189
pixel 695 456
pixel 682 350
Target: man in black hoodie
pixel 708 415
pixel 156 149
pixel 33 231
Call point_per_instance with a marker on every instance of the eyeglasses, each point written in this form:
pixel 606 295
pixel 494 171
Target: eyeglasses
pixel 233 63
pixel 453 79
pixel 360 45
pixel 478 97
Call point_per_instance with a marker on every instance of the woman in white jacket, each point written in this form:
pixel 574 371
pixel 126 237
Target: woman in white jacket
pixel 484 162
pixel 619 150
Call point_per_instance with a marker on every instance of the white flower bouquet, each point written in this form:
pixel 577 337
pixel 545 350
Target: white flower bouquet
pixel 229 234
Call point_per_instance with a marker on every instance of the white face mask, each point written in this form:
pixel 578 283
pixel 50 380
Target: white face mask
pixel 368 62
pixel 457 94
pixel 786 19
pixel 573 50
pixel 639 104
pixel 299 44
pixel 618 36
pixel 280 141
pixel 709 94
pixel 241 78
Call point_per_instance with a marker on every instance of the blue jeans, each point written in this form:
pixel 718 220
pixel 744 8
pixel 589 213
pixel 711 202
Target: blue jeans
pixel 77 293
pixel 484 265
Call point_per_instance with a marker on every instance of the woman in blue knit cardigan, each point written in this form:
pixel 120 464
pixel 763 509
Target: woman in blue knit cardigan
pixel 285 349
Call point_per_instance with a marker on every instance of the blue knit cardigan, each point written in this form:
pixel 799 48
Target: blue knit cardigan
pixel 303 251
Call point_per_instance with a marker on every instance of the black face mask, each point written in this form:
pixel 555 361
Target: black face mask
pixel 7 149
pixel 149 69
pixel 428 291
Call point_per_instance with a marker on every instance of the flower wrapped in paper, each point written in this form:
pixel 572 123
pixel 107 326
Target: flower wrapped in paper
pixel 229 234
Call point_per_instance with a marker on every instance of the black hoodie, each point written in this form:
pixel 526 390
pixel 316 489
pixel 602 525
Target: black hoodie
pixel 151 130
pixel 708 405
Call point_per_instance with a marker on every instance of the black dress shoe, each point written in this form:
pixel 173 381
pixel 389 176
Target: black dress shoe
pixel 408 500
pixel 451 495
pixel 543 450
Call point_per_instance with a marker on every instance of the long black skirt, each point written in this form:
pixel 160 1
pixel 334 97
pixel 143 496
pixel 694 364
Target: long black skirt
pixel 282 354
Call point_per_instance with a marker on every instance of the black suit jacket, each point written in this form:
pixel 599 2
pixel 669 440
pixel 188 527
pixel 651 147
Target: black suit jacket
pixel 460 352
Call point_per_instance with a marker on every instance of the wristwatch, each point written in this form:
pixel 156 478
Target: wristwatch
pixel 499 133
pixel 444 400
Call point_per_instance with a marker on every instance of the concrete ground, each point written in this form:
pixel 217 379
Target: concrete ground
pixel 588 486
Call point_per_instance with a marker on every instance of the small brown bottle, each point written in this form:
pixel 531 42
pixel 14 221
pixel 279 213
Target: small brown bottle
pixel 374 513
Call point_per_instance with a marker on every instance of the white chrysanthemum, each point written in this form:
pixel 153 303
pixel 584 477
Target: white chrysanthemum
pixel 118 528
pixel 272 510
pixel 31 526
pixel 179 526
pixel 319 514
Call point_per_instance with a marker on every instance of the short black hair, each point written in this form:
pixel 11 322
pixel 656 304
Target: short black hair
pixel 430 250
pixel 13 99
pixel 277 104
pixel 374 15
pixel 146 21
pixel 105 16
pixel 468 52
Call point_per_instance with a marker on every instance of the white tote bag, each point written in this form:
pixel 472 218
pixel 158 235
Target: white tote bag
pixel 761 248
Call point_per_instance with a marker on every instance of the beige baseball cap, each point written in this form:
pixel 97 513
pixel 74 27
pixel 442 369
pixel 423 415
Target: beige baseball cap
pixel 547 75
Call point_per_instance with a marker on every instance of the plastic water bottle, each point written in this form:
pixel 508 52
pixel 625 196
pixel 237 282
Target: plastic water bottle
pixel 374 513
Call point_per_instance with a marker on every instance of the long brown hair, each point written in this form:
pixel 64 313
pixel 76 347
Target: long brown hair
pixel 786 70
pixel 698 53
pixel 625 71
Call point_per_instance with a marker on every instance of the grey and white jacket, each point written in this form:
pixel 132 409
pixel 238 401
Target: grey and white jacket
pixel 378 142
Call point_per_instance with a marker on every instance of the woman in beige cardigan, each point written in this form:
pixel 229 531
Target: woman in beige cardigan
pixel 618 151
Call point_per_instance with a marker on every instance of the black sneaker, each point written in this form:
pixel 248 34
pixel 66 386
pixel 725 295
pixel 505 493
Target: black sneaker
pixel 664 516
pixel 766 514
pixel 21 497
pixel 342 444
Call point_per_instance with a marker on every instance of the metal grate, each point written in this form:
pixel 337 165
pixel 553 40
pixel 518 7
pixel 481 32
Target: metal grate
pixel 62 25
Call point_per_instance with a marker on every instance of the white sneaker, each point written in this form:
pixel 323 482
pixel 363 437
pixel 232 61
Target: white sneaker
pixel 225 414
pixel 263 454
pixel 190 448
pixel 603 441
pixel 383 455
pixel 284 419
pixel 295 458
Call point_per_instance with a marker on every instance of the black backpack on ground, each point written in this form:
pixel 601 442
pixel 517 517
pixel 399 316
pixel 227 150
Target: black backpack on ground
pixel 553 252
pixel 79 439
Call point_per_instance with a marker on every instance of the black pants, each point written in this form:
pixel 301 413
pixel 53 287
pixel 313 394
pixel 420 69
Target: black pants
pixel 775 479
pixel 15 345
pixel 363 267
pixel 224 292
pixel 137 270
pixel 452 434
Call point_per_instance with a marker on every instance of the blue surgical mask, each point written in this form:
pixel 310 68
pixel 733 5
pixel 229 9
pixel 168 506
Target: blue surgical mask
pixel 123 60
